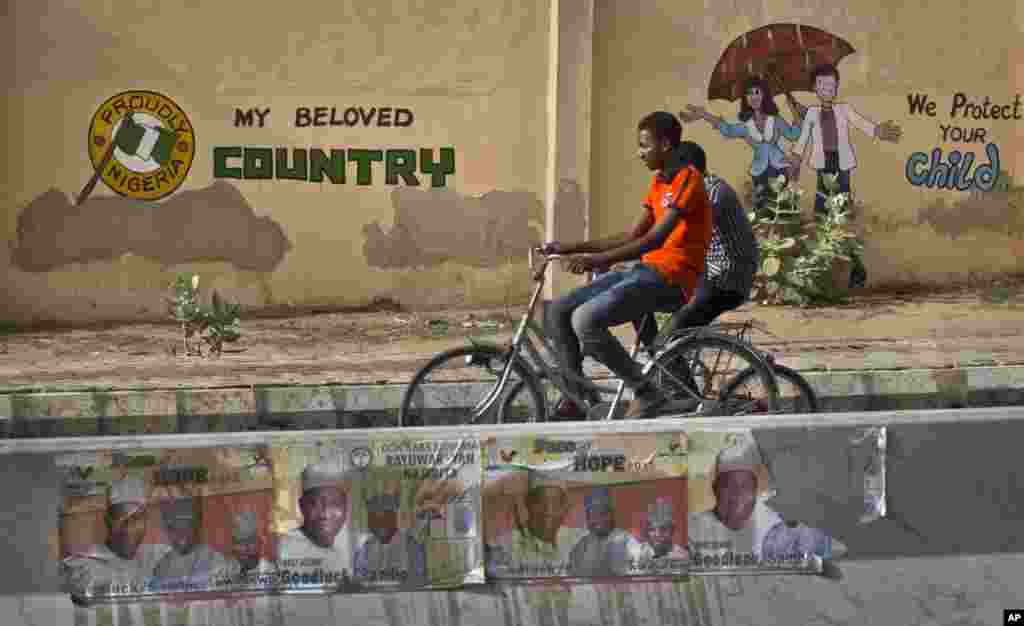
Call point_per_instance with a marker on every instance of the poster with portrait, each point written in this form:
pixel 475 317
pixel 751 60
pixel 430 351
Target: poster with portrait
pixel 387 512
pixel 136 524
pixel 732 527
pixel 586 507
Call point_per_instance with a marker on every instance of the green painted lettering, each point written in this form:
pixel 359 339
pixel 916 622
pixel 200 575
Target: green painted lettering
pixel 400 163
pixel 258 163
pixel 365 159
pixel 438 170
pixel 333 166
pixel 220 162
pixel 298 170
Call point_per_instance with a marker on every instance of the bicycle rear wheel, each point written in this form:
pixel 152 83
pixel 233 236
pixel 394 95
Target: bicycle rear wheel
pixel 795 394
pixel 446 390
pixel 696 371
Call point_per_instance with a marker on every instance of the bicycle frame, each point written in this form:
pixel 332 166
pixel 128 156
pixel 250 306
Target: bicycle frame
pixel 538 365
pixel 558 375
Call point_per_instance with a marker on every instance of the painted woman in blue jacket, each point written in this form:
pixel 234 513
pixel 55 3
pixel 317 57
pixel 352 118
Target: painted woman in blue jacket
pixel 763 128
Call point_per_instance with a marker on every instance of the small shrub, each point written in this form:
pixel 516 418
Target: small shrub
pixel 802 263
pixel 213 325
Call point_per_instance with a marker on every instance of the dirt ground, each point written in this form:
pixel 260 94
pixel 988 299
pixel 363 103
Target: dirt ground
pixel 908 330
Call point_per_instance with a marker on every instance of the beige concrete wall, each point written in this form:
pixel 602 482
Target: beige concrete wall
pixel 473 74
pixel 477 78
pixel 660 55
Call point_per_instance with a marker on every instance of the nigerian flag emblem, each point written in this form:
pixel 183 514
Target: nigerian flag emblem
pixel 145 142
pixel 141 144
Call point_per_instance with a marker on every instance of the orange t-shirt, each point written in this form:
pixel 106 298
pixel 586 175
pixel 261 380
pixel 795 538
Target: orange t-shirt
pixel 680 260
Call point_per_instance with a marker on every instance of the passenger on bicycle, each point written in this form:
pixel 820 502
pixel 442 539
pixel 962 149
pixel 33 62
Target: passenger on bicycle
pixel 670 238
pixel 732 257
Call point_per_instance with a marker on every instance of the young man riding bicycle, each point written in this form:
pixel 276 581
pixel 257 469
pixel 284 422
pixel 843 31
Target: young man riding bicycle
pixel 732 257
pixel 670 238
pixel 726 275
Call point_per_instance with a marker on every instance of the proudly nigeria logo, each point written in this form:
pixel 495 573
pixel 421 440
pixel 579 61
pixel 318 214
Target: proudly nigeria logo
pixel 141 145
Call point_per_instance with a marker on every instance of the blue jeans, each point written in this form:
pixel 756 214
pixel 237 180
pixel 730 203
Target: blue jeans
pixel 578 322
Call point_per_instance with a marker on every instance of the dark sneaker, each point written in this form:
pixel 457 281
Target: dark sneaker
pixel 645 402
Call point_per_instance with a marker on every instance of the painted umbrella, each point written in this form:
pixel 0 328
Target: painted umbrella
pixel 784 55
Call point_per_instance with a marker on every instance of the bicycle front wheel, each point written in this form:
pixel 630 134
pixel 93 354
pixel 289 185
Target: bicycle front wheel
pixel 522 404
pixel 795 394
pixel 448 389
pixel 695 372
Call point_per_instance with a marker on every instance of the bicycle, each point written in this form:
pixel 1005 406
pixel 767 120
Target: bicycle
pixel 673 365
pixel 805 399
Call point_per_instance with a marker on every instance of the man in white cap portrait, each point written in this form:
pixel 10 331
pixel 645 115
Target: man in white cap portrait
pixel 605 550
pixel 388 553
pixel 659 528
pixel 732 525
pixel 323 543
pixel 123 559
pixel 190 562
pixel 541 540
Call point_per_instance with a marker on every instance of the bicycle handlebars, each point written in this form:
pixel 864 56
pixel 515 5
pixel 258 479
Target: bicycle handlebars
pixel 546 257
pixel 538 274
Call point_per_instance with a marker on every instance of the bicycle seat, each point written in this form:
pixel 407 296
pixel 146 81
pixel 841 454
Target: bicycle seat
pixel 652 337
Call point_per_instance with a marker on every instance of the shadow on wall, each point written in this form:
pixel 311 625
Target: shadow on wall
pixel 435 226
pixel 211 224
pixel 1000 210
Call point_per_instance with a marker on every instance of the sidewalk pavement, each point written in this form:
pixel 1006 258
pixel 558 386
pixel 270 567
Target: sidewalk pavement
pixel 349 370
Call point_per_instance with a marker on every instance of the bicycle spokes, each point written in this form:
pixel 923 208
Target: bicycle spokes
pixel 700 371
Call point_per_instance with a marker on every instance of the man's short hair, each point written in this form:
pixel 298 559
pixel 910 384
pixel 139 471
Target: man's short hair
pixel 663 125
pixel 825 69
pixel 693 154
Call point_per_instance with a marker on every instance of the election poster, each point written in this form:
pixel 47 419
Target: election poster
pixel 138 524
pixel 732 528
pixel 586 507
pixel 388 512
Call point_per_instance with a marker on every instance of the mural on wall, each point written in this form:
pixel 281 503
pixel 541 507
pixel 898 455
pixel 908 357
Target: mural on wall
pixel 142 145
pixel 779 59
pixel 989 199
pixel 954 171
pixel 316 165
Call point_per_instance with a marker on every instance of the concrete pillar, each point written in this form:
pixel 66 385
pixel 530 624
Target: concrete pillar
pixel 567 185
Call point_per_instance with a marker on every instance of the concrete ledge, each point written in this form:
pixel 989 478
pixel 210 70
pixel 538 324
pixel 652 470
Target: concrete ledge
pixel 155 411
pixel 953 590
pixel 887 575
